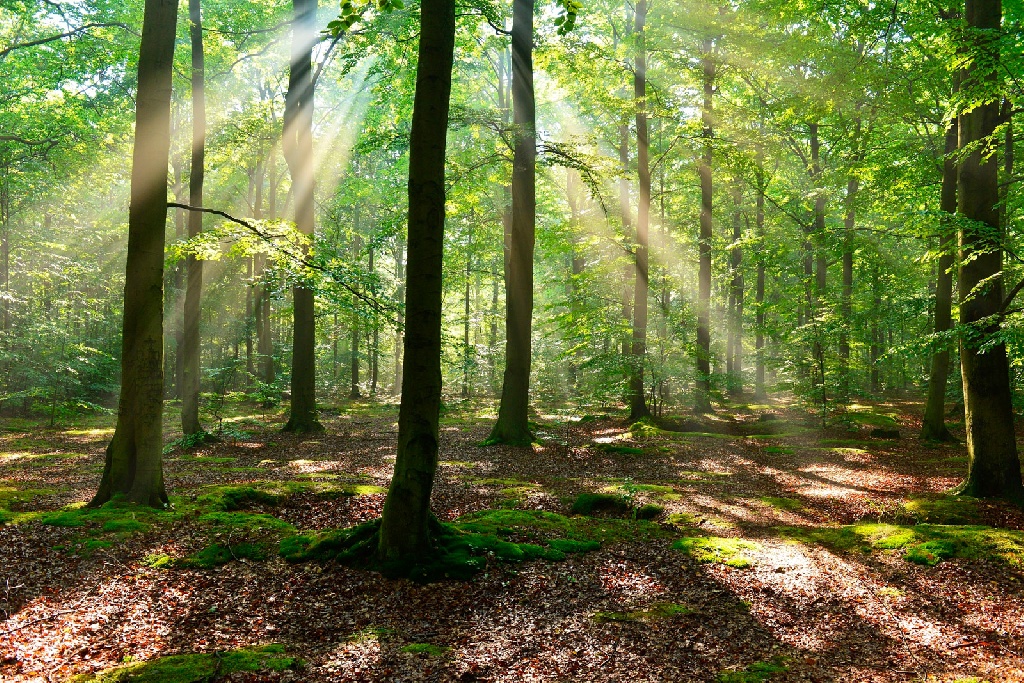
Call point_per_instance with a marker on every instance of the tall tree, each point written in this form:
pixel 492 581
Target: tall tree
pixel 512 426
pixel 933 425
pixel 993 467
pixel 297 143
pixel 134 457
pixel 191 370
pixel 404 529
pixel 702 387
pixel 637 398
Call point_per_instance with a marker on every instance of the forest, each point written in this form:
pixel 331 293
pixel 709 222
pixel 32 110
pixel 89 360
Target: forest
pixel 414 340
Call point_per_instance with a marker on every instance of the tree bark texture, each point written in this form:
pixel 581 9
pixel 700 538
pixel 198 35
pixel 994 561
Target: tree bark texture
pixel 993 467
pixel 134 457
pixel 637 399
pixel 297 144
pixel 191 367
pixel 404 534
pixel 512 426
pixel 702 387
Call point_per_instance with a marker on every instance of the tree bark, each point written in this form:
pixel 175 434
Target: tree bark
pixel 512 426
pixel 191 367
pixel 134 457
pixel 735 344
pixel 637 398
pixel 404 530
pixel 297 144
pixel 993 467
pixel 702 387
pixel 933 425
pixel 400 319
pixel 759 387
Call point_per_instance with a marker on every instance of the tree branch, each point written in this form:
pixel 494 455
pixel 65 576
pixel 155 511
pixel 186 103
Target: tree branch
pixel 68 34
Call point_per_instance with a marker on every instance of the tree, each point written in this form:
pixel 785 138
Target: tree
pixel 702 386
pixel 513 426
pixel 637 398
pixel 134 457
pixel 297 143
pixel 404 529
pixel 993 467
pixel 190 352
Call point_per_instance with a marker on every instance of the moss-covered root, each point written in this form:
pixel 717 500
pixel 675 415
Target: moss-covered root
pixel 454 554
pixel 197 667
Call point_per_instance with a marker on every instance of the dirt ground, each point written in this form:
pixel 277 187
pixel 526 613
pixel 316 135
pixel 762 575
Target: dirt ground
pixel 806 556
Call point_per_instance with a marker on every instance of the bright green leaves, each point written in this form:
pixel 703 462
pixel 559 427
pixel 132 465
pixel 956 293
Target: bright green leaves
pixel 568 11
pixel 353 12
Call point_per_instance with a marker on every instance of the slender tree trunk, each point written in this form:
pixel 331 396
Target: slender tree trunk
pixel 628 237
pixel 637 398
pixel 404 530
pixel 702 387
pixel 759 322
pixel 576 264
pixel 993 467
pixel 134 457
pixel 356 331
pixel 466 353
pixel 512 426
pixel 298 152
pixel 375 344
pixel 190 351
pixel 400 322
pixel 177 300
pixel 736 297
pixel 933 425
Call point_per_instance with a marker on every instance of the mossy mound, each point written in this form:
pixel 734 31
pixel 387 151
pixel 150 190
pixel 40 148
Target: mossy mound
pixel 715 549
pixel 612 504
pixel 943 509
pixel 425 649
pixel 198 667
pixel 780 503
pixel 217 554
pixel 756 672
pixel 922 543
pixel 657 611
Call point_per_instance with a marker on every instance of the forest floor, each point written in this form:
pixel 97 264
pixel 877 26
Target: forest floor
pixel 777 552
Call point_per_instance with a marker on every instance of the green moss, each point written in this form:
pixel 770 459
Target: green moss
pixel 782 503
pixel 216 554
pixel 425 649
pixel 124 526
pixel 206 459
pixel 657 611
pixel 727 551
pixel 621 450
pixel 231 498
pixel 943 509
pixel 246 521
pixel 158 560
pixel 869 417
pixel 198 667
pixel 648 511
pixel 921 543
pixel 116 516
pixel 756 672
pixel 590 503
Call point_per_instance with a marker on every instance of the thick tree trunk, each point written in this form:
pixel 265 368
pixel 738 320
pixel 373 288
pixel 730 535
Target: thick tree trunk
pixel 404 530
pixel 993 467
pixel 134 457
pixel 702 387
pixel 637 397
pixel 297 143
pixel 191 367
pixel 512 426
pixel 933 425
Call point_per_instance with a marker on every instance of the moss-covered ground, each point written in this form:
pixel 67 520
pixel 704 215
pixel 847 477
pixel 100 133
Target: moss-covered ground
pixel 742 545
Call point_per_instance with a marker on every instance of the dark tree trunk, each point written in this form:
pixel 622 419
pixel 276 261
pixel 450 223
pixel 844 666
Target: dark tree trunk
pixel 993 467
pixel 628 268
pixel 134 457
pixel 933 425
pixel 174 363
pixel 512 426
pixel 404 530
pixel 816 246
pixel 637 397
pixel 400 321
pixel 190 351
pixel 759 387
pixel 297 144
pixel 702 388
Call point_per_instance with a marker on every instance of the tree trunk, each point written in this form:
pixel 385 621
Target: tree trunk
pixel 191 367
pixel 400 321
pixel 637 397
pixel 466 352
pixel 404 530
pixel 993 467
pixel 297 143
pixel 134 457
pixel 512 426
pixel 736 297
pixel 702 387
pixel 759 387
pixel 933 425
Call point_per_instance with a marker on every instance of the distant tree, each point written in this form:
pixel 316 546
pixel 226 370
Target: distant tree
pixel 512 426
pixel 134 457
